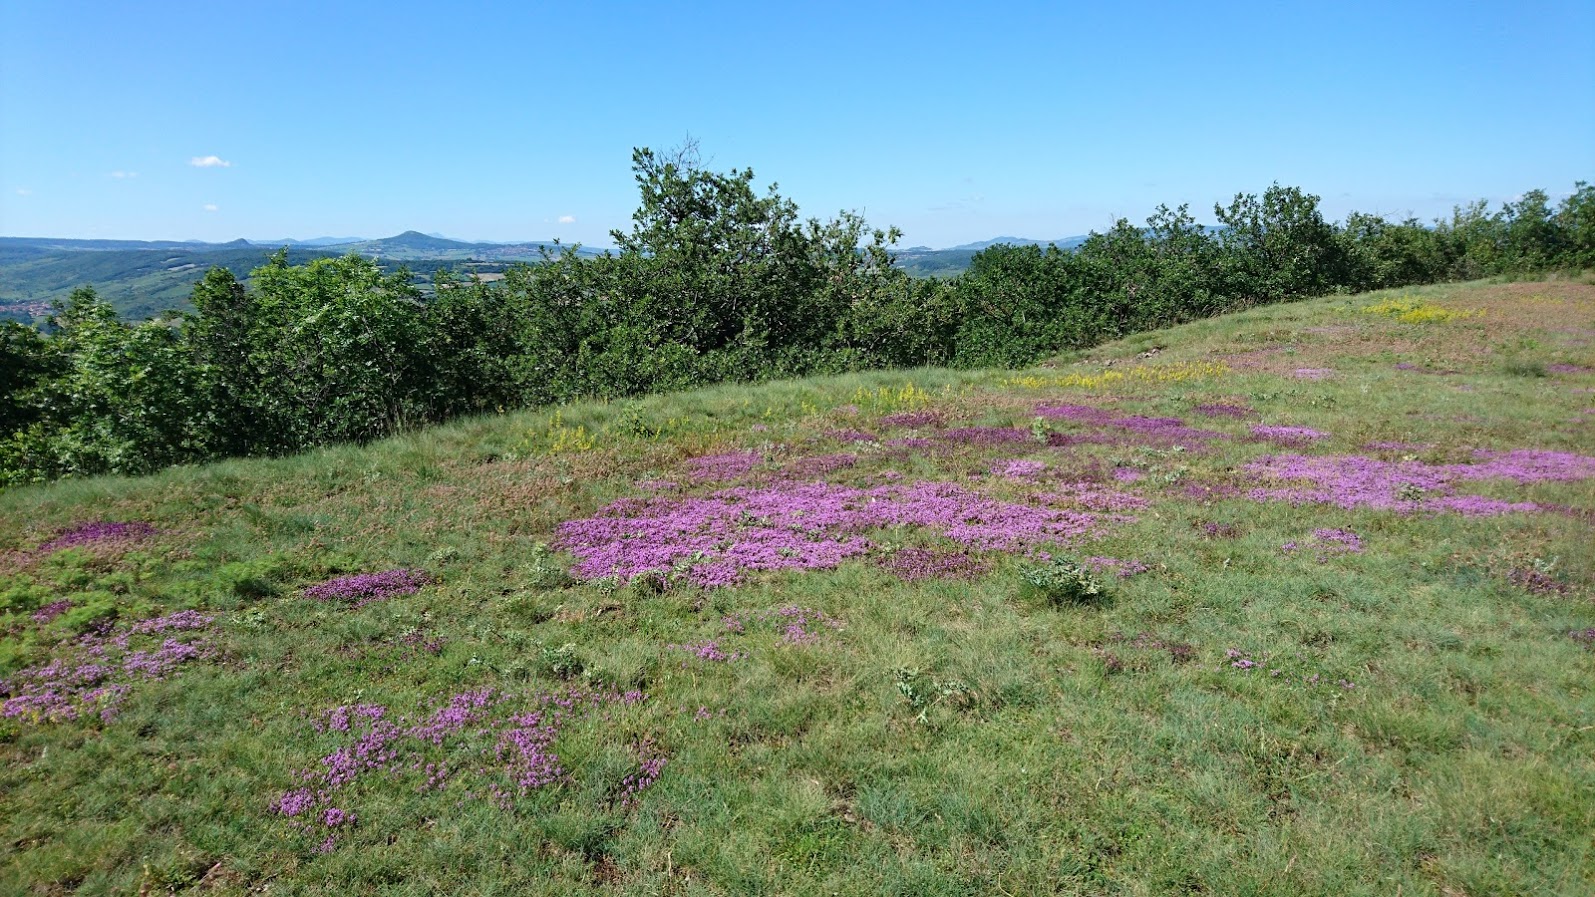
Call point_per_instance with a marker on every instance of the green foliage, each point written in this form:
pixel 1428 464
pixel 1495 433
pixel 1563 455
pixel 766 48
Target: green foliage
pixel 1062 581
pixel 924 746
pixel 1277 248
pixel 563 662
pixel 714 282
pixel 123 399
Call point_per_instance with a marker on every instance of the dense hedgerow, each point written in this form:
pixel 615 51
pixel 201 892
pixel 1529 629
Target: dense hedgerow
pixel 713 283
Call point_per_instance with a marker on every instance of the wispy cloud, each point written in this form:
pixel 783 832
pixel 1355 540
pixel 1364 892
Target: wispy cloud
pixel 124 175
pixel 567 219
pixel 24 191
pixel 209 162
pixel 211 207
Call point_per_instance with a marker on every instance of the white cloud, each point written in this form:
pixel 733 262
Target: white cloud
pixel 209 162
pixel 123 175
pixel 24 191
pixel 211 207
pixel 567 219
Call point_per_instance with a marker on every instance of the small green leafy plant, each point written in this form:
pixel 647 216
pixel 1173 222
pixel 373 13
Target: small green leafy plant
pixel 1062 581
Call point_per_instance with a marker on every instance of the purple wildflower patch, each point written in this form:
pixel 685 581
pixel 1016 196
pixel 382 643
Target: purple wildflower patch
pixel 499 746
pixel 797 625
pixel 852 436
pixel 1288 435
pixel 1312 373
pixel 1164 430
pixel 1352 481
pixel 1567 369
pixel 1019 469
pixel 818 465
pixel 1094 497
pixel 984 435
pixel 1084 414
pixel 1586 637
pixel 917 564
pixel 50 611
pixel 709 651
pixel 810 526
pixel 96 531
pixel 1328 543
pixel 93 673
pixel 364 588
pixel 1221 409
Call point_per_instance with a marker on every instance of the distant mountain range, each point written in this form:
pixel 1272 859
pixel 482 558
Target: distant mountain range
pixel 1062 243
pixel 146 277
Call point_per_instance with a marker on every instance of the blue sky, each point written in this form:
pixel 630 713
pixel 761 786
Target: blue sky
pixel 955 122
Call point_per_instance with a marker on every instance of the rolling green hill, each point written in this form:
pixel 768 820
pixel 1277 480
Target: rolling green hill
pixel 1294 602
pixel 144 279
pixel 141 283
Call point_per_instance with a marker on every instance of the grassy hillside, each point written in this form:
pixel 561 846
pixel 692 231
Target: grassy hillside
pixel 1296 601
pixel 143 283
pixel 140 283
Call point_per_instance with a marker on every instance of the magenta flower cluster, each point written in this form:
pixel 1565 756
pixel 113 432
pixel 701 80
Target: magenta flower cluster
pixel 916 564
pixel 96 531
pixel 726 466
pixel 1351 481
pixel 715 540
pixel 1094 497
pixel 498 745
pixel 851 436
pixel 1288 435
pixel 94 673
pixel 1144 430
pixel 1215 530
pixel 1164 430
pixel 797 625
pixel 1019 469
pixel 1328 543
pixel 1245 662
pixel 1224 409
pixel 50 611
pixel 818 465
pixel 364 588
pixel 709 651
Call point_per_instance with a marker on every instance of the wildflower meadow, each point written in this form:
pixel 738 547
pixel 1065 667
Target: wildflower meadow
pixel 1292 601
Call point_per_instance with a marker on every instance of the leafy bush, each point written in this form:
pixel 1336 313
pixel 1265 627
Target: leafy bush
pixel 1062 581
pixel 714 282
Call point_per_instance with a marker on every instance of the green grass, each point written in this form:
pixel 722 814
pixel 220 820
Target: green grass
pixel 958 736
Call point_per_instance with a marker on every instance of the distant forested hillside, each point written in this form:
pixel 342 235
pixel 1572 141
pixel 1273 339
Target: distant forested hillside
pixel 714 282
pixel 138 283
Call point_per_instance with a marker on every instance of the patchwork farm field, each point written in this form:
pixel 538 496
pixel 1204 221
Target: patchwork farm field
pixel 1296 601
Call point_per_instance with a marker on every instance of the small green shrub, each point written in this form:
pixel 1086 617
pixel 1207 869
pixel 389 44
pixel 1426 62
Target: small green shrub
pixel 564 662
pixel 1062 581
